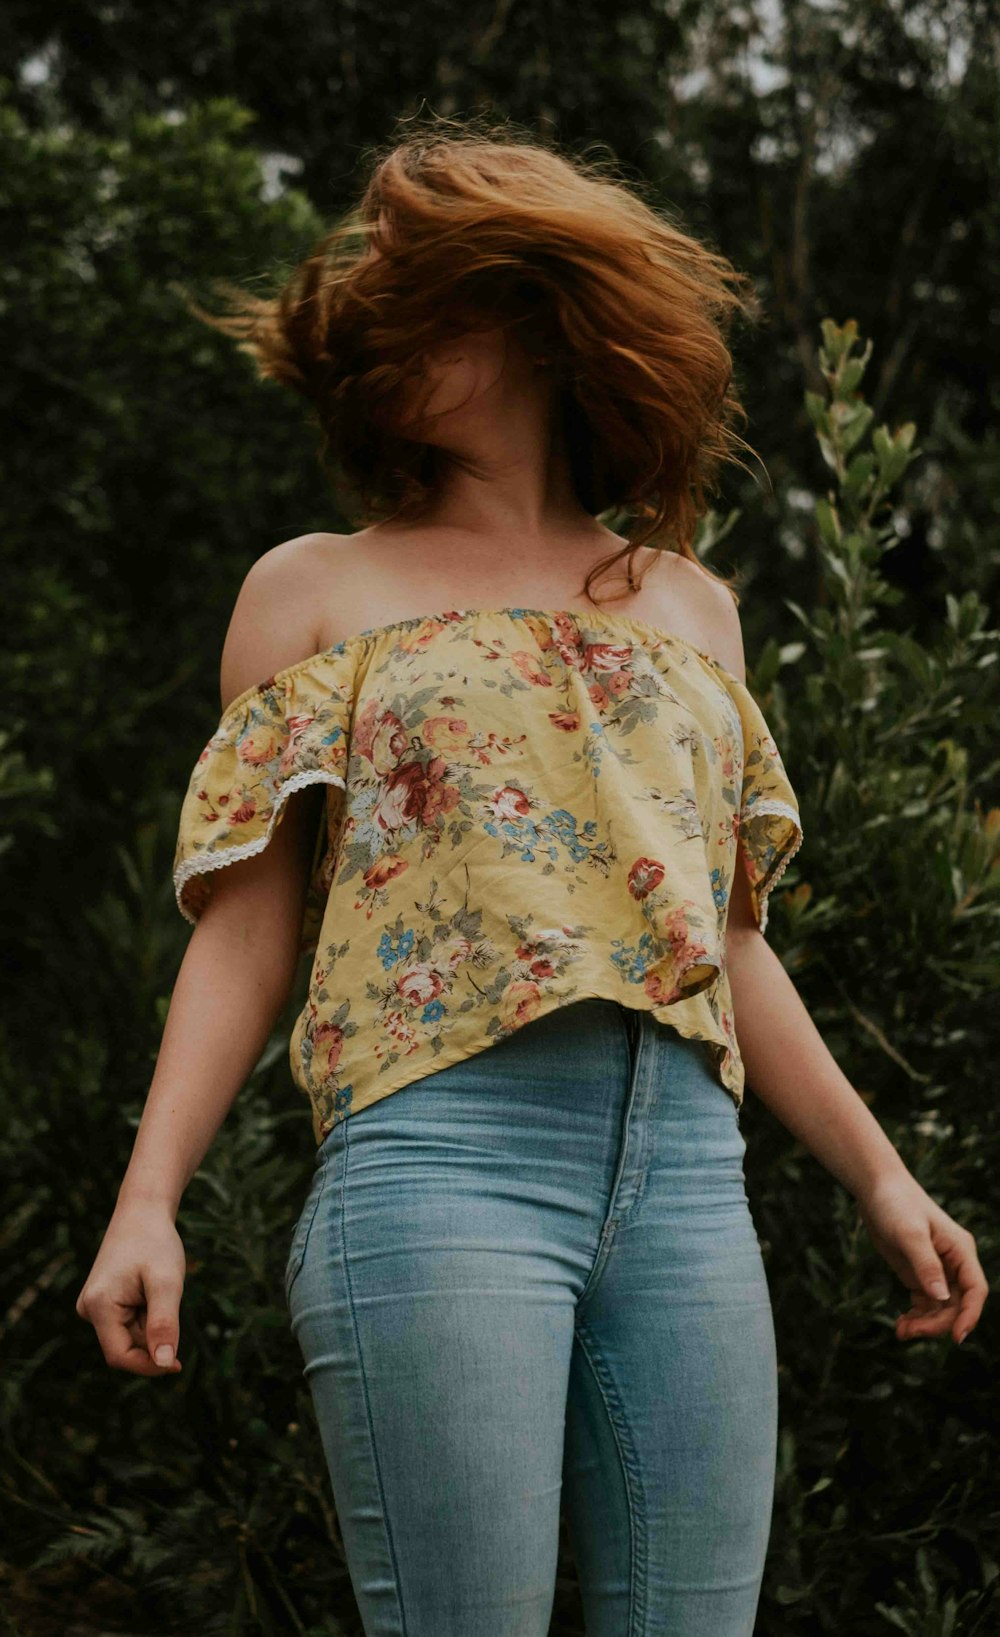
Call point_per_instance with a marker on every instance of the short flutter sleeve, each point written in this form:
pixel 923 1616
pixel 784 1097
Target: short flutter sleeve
pixel 281 735
pixel 770 828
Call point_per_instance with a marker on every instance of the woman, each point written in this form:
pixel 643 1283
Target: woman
pixel 529 840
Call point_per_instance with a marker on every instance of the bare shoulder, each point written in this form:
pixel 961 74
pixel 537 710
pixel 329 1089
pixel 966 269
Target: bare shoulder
pixel 702 609
pixel 275 620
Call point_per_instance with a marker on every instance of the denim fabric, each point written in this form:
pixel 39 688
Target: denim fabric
pixel 530 1280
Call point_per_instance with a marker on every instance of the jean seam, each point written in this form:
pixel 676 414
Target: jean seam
pixel 642 1163
pixel 300 1260
pixel 612 1219
pixel 364 1388
pixel 646 1155
pixel 600 1262
pixel 636 1529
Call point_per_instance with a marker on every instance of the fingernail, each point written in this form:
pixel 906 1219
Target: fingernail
pixel 961 1336
pixel 939 1289
pixel 164 1354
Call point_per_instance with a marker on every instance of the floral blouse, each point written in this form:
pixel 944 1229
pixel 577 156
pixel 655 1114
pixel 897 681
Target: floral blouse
pixel 524 808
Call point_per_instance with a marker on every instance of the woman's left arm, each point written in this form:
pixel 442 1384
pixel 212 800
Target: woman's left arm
pixel 791 1070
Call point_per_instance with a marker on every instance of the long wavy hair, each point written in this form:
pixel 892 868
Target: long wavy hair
pixel 477 224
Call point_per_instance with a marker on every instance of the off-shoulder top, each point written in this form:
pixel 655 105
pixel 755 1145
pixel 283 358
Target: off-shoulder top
pixel 524 808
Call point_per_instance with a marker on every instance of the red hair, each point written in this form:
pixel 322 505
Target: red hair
pixel 473 227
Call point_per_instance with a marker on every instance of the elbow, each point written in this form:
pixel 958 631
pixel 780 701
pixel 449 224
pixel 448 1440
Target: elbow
pixel 254 939
pixel 742 940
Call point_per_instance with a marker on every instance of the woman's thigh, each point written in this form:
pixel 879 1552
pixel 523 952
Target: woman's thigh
pixel 530 1279
pixel 672 1413
pixel 432 1287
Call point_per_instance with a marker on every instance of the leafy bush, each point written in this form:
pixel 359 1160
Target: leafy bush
pixel 893 938
pixel 202 1504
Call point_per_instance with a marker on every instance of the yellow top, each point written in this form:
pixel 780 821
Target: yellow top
pixel 524 808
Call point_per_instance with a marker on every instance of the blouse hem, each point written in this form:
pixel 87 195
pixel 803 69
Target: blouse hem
pixel 202 863
pixel 446 1058
pixel 779 809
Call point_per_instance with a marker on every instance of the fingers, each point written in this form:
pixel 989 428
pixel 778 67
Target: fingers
pixel 129 1339
pixel 136 1359
pixel 111 1323
pixel 163 1299
pixel 966 1280
pixel 967 1293
pixel 926 1318
pixel 138 1332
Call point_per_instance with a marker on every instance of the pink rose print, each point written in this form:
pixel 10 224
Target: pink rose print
pixel 618 683
pixel 297 726
pixel 530 669
pixel 688 951
pixel 384 868
pixel 731 765
pixel 445 733
pixel 419 984
pixel 607 656
pixel 413 792
pixel 378 735
pixel 659 993
pixel 415 641
pixel 507 802
pixel 521 1003
pixel 328 1043
pixel 400 1033
pixel 645 874
pixel 257 746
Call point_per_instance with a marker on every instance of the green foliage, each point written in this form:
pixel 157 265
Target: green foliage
pixel 893 937
pixel 151 471
pixel 148 474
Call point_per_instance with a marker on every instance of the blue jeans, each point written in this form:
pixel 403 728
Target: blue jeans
pixel 530 1279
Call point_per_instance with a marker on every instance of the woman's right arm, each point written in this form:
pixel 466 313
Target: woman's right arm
pixel 232 985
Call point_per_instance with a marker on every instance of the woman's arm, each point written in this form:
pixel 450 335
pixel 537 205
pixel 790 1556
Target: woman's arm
pixel 233 982
pixel 232 985
pixel 241 959
pixel 790 1068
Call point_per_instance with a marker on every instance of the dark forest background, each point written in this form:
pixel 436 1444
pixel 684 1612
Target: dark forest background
pixel 845 155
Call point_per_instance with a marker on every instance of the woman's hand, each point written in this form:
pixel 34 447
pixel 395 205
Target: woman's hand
pixel 933 1255
pixel 133 1291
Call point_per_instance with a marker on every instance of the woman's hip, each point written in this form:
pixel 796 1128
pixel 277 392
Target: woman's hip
pixel 589 1123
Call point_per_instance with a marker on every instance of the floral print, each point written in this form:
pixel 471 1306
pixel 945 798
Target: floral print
pixel 523 808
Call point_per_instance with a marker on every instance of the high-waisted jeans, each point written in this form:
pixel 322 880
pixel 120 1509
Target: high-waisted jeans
pixel 532 1279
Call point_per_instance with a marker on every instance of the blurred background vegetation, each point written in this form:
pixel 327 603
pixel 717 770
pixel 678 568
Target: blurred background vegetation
pixel 843 153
